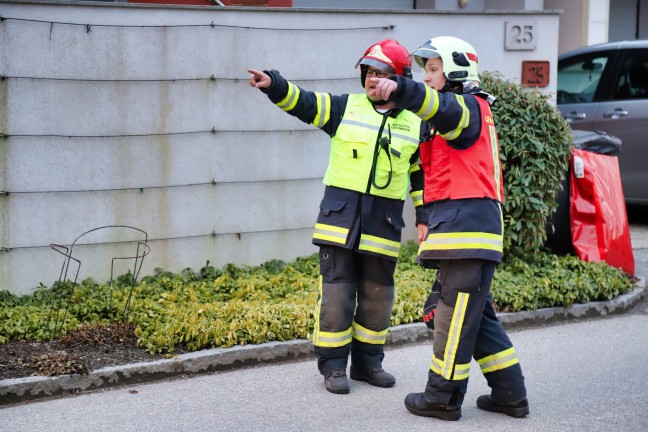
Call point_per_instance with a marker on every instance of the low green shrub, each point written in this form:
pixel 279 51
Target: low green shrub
pixel 238 305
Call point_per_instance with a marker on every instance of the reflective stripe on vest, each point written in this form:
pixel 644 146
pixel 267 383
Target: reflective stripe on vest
pixel 354 143
pixel 323 109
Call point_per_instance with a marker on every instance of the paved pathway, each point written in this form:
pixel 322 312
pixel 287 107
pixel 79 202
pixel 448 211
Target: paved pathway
pixel 582 376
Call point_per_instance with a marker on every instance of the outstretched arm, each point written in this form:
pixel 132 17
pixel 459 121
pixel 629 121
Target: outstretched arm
pixel 319 109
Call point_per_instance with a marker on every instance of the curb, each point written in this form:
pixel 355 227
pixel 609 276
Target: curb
pixel 219 359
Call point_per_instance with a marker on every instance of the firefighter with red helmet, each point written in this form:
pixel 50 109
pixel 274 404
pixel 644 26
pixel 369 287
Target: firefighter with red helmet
pixel 463 195
pixel 373 158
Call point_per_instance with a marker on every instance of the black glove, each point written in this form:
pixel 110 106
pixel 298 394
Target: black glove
pixel 429 309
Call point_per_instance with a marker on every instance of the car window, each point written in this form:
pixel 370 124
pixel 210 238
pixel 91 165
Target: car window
pixel 578 79
pixel 633 78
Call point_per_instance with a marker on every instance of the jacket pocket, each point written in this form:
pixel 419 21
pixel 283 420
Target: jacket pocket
pixel 329 205
pixel 395 220
pixel 443 216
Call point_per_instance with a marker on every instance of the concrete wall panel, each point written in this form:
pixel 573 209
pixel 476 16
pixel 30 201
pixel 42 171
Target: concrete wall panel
pixel 94 113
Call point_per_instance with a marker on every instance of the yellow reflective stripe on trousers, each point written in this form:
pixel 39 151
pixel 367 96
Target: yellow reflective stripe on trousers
pixel 323 109
pixel 454 334
pixel 331 233
pixel 498 361
pixel 379 245
pixel 291 98
pixel 462 240
pixel 333 339
pixel 369 336
pixel 417 197
pixel 430 104
pixel 318 308
pixel 461 371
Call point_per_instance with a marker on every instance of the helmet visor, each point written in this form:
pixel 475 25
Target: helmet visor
pixel 423 53
pixel 383 67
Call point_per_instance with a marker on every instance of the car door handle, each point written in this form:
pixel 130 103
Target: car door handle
pixel 616 113
pixel 575 116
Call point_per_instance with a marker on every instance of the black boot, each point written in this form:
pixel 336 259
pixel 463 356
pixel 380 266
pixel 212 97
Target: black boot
pixel 373 375
pixel 515 409
pixel 336 381
pixel 417 404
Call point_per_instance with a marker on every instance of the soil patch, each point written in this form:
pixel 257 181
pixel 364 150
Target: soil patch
pixel 81 351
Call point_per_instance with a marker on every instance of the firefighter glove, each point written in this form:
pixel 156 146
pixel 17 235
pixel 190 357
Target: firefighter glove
pixel 429 309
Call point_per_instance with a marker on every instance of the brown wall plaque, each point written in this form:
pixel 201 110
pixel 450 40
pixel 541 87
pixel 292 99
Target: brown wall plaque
pixel 535 73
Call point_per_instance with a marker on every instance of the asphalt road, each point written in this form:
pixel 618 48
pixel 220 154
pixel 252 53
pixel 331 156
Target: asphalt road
pixel 581 376
pixel 586 375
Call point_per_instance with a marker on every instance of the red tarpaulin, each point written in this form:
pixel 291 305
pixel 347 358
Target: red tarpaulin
pixel 599 222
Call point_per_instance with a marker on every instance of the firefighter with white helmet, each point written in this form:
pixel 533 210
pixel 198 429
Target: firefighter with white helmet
pixel 373 158
pixel 463 238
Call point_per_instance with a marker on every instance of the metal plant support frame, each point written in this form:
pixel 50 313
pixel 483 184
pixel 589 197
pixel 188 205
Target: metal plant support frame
pixel 61 300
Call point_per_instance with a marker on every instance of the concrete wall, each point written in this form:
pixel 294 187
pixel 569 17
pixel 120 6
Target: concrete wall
pixel 582 22
pixel 110 124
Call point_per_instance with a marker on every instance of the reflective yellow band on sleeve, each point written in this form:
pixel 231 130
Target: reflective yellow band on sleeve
pixel 291 98
pixel 430 104
pixel 463 122
pixel 417 198
pixel 369 336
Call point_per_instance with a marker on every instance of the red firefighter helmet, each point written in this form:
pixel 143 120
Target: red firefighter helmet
pixel 387 56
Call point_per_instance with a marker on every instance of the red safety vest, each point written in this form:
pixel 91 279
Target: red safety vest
pixel 475 172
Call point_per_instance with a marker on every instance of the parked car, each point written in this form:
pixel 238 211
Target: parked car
pixel 605 88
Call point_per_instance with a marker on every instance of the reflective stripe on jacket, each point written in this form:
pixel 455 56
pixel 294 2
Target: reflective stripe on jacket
pixel 354 220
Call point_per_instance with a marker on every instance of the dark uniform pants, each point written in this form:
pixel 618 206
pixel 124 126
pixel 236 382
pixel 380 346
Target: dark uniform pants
pixel 465 327
pixel 354 308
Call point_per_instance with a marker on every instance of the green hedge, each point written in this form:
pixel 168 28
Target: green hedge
pixel 239 305
pixel 535 143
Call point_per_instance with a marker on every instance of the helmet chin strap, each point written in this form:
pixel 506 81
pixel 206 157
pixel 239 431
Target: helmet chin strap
pixel 377 102
pixel 452 86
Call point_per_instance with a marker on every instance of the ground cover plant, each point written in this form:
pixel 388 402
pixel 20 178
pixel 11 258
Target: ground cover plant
pixel 234 305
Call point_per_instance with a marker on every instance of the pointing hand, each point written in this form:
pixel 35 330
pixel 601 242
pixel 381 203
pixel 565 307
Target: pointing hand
pixel 382 88
pixel 259 79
